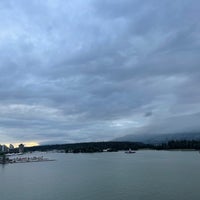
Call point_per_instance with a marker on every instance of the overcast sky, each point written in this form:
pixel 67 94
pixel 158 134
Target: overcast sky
pixel 93 70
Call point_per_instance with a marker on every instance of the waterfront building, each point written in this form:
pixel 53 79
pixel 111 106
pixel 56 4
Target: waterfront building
pixel 4 148
pixel 11 147
pixel 21 148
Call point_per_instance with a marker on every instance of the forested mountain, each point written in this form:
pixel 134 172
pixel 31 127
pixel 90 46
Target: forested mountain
pixel 151 138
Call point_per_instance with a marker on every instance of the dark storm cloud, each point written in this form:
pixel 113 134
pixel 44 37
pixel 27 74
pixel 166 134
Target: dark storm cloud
pixel 74 71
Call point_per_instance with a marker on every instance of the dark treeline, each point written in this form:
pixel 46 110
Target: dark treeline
pixel 179 144
pixel 91 147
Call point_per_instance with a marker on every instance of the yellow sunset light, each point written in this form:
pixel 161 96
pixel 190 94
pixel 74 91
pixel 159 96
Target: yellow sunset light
pixel 27 144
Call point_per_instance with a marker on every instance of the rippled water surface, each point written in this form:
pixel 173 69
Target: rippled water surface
pixel 146 175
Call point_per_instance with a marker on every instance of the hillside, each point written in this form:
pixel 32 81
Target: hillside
pixel 159 138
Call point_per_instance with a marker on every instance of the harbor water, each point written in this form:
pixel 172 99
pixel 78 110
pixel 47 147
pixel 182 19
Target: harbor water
pixel 145 175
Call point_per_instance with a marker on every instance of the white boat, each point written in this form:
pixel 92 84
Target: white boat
pixel 130 151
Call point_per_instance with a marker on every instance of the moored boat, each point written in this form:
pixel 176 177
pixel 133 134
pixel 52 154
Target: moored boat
pixel 130 151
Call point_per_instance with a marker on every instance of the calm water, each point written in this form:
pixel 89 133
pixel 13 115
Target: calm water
pixel 146 175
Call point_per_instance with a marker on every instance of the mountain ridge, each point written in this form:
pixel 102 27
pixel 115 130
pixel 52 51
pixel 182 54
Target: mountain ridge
pixel 155 138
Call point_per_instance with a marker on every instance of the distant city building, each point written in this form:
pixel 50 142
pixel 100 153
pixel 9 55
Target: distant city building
pixel 4 148
pixel 11 147
pixel 21 148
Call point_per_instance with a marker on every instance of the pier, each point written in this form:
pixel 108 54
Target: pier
pixel 29 159
pixel 6 160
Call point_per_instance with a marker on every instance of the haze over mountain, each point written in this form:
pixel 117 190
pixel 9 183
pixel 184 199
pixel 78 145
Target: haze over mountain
pixel 159 138
pixel 93 70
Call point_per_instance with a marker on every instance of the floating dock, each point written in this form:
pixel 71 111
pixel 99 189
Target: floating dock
pixel 29 159
pixel 25 159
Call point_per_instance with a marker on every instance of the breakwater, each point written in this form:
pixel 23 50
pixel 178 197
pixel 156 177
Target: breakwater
pixel 29 159
pixel 7 160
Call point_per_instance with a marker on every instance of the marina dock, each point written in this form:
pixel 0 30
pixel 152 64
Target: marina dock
pixel 6 160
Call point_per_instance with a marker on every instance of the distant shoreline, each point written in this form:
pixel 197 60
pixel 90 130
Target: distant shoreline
pixel 114 146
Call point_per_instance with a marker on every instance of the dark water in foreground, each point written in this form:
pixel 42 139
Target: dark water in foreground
pixel 146 175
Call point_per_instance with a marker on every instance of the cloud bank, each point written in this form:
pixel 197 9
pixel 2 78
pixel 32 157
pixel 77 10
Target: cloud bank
pixel 73 71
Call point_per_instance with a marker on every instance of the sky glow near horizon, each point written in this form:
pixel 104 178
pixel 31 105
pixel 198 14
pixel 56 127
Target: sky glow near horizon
pixel 93 70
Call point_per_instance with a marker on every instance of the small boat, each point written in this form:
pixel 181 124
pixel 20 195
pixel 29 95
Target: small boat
pixel 130 151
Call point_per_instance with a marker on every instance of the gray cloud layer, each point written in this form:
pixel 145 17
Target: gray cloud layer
pixel 75 71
